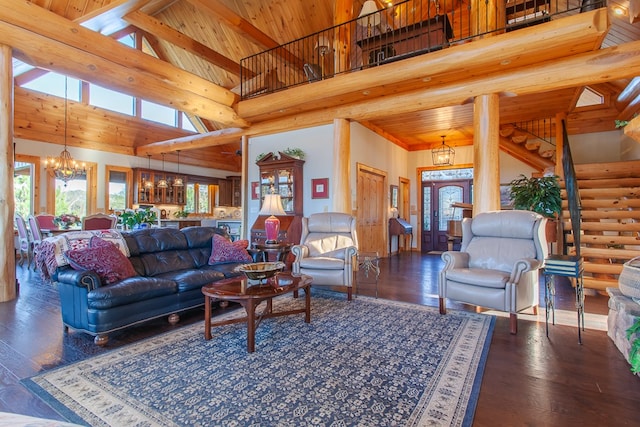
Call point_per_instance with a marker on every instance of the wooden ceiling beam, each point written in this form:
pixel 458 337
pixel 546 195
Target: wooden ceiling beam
pixel 571 35
pixel 211 139
pixel 78 40
pixel 159 29
pixel 49 41
pixel 108 19
pixel 244 28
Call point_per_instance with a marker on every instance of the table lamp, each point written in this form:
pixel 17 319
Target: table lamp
pixel 272 205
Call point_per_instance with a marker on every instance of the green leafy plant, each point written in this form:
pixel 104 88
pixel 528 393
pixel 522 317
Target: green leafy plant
pixel 141 216
pixel 541 195
pixel 181 214
pixel 294 152
pixel 633 335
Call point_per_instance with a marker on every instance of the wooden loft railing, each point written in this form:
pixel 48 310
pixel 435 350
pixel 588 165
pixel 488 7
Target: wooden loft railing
pixel 405 29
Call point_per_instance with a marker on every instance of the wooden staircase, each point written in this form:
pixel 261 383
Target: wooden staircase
pixel 610 220
pixel 516 141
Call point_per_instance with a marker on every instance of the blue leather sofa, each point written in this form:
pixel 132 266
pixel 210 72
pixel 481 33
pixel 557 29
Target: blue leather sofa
pixel 172 266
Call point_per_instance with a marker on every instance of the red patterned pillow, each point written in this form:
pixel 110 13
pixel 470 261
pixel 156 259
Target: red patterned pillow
pixel 222 250
pixel 104 258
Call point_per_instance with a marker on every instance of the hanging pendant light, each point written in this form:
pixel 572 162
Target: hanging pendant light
pixel 64 167
pixel 444 155
pixel 163 182
pixel 148 183
pixel 178 182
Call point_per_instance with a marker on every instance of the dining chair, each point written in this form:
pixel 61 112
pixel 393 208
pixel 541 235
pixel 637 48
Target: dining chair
pixel 45 221
pixel 99 221
pixel 25 245
pixel 36 236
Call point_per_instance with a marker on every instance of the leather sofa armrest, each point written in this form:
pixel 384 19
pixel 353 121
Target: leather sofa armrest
pixel 82 279
pixel 299 251
pixel 454 259
pixel 522 266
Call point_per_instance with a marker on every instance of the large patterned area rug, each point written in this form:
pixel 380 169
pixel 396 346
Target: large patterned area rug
pixel 368 362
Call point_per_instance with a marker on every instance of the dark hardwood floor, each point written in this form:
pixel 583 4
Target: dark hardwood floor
pixel 529 379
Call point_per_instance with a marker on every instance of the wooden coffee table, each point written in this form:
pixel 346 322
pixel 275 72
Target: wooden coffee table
pixel 250 294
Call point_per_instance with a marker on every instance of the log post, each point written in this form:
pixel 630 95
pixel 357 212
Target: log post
pixel 486 153
pixel 7 204
pixel 341 183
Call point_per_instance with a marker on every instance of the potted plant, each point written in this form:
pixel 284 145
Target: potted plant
pixel 141 218
pixel 541 195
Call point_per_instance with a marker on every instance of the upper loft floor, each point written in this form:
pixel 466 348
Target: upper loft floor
pixel 395 31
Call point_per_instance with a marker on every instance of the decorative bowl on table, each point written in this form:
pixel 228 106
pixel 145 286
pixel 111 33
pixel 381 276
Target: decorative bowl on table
pixel 261 270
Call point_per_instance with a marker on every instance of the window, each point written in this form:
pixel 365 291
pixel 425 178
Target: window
pixel 118 194
pixel 25 175
pixel 158 113
pixel 187 124
pixel 201 196
pixel 54 83
pixel 78 197
pixel 71 199
pixel 111 100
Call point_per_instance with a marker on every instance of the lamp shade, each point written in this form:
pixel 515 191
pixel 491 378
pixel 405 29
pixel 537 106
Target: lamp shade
pixel 368 8
pixel 272 206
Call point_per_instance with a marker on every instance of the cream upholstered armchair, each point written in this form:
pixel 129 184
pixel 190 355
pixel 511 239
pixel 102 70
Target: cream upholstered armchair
pixel 498 263
pixel 328 246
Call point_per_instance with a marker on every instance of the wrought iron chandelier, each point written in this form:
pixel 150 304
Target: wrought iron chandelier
pixel 64 167
pixel 444 155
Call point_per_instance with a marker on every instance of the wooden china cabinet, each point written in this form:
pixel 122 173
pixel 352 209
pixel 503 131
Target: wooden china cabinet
pixel 146 190
pixel 281 174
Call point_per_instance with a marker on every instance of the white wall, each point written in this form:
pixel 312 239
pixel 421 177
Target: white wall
pixel 629 148
pixel 101 158
pixel 317 144
pixel 600 147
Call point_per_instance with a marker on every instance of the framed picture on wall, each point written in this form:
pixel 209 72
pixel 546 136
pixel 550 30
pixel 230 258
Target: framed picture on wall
pixel 255 190
pixel 394 196
pixel 320 188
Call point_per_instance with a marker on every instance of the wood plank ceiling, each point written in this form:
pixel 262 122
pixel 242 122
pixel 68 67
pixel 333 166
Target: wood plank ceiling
pixel 208 39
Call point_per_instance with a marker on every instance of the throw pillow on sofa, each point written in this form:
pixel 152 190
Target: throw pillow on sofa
pixel 223 250
pixel 104 258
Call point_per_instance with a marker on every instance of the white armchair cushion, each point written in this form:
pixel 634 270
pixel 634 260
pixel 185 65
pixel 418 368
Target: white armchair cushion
pixel 322 263
pixel 479 277
pixel 332 246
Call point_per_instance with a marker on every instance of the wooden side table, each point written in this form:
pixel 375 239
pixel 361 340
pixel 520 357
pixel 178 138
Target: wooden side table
pixel 280 250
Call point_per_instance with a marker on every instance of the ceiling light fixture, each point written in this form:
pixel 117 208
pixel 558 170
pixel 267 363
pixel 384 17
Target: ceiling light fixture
pixel 148 183
pixel 444 155
pixel 163 182
pixel 64 167
pixel 178 182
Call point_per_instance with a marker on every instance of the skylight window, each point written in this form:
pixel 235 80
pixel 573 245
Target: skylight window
pixel 589 97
